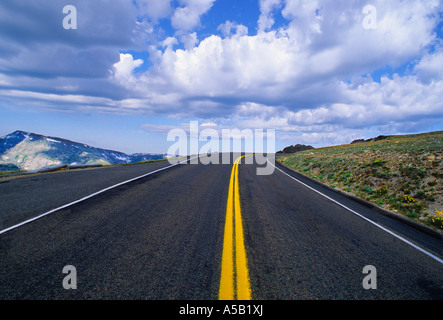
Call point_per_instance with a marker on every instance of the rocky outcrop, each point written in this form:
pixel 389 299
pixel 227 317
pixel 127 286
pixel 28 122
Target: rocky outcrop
pixel 295 148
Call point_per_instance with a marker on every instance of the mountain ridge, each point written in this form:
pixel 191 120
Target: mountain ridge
pixel 27 151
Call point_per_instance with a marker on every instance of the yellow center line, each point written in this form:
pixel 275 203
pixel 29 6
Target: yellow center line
pixel 234 282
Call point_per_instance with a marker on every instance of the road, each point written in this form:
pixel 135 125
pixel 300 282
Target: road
pixel 163 237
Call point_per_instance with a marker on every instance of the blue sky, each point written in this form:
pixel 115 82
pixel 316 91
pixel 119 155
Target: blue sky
pixel 133 70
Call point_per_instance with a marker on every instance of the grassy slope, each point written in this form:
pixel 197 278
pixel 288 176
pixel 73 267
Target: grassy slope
pixel 403 174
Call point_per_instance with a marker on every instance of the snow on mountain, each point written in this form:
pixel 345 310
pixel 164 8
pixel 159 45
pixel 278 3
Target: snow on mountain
pixel 27 151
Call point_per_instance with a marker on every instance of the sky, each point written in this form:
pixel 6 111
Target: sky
pixel 122 74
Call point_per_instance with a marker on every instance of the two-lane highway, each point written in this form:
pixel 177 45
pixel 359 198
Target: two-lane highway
pixel 163 236
pixel 158 237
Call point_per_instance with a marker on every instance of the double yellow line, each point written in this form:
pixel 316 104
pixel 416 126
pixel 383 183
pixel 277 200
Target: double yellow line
pixel 234 280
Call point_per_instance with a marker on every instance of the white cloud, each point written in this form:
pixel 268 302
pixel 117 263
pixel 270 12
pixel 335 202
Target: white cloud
pixel 155 9
pixel 189 40
pixel 239 67
pixel 227 27
pixel 125 67
pixel 169 42
pixel 266 20
pixel 187 17
pixel 307 85
pixel 400 103
pixel 246 62
pixel 430 67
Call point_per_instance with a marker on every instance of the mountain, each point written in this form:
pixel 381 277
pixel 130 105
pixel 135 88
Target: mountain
pixel 295 148
pixel 27 151
pixel 372 139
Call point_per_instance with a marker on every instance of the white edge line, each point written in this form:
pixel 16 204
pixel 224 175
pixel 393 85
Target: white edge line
pixel 90 196
pixel 365 218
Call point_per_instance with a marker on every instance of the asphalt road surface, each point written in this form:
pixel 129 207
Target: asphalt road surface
pixel 162 237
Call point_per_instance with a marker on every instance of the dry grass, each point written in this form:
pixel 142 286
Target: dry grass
pixel 402 174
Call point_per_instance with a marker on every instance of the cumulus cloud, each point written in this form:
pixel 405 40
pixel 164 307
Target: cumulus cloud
pixel 189 40
pixel 430 67
pixel 125 67
pixel 41 55
pixel 228 27
pixel 393 105
pixel 187 17
pixel 280 67
pixel 266 20
pixel 375 104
